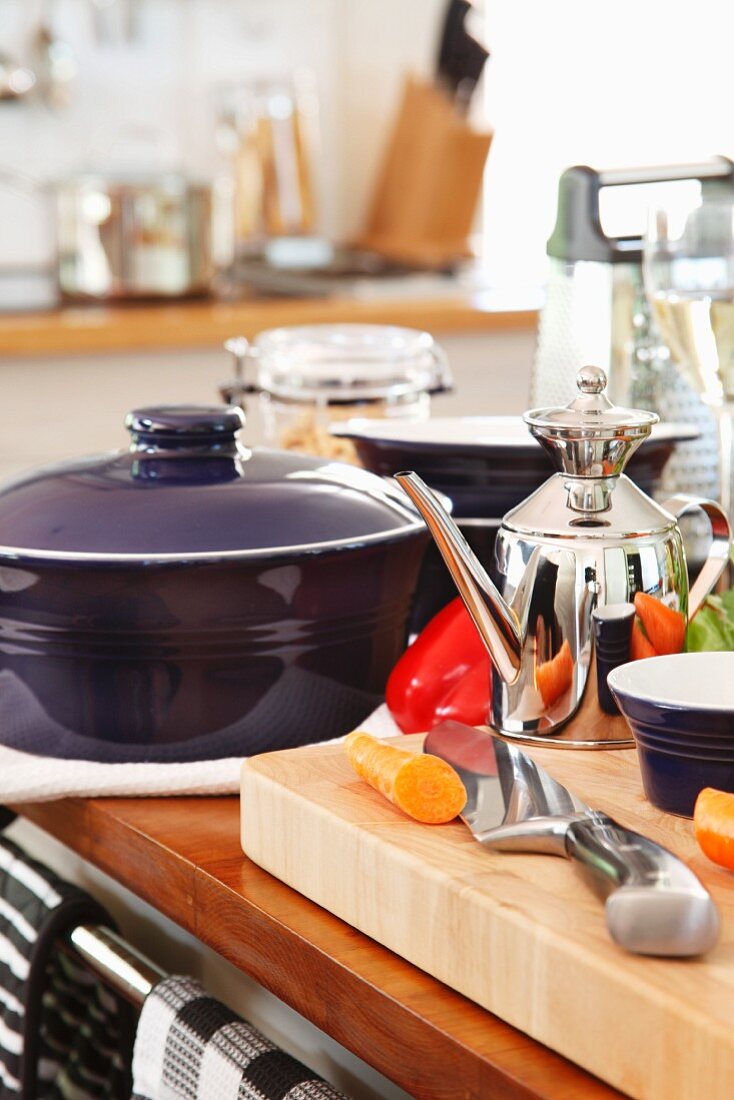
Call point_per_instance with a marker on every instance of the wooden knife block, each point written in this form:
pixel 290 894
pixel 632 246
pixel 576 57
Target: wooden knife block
pixel 429 182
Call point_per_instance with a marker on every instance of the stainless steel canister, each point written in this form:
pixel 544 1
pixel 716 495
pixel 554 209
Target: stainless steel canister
pixel 158 235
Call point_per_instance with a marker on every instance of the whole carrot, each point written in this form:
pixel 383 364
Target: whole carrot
pixel 422 786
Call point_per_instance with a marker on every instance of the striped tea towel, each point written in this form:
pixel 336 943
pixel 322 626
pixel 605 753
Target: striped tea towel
pixel 189 1046
pixel 61 1033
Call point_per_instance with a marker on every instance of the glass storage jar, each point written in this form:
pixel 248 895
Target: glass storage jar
pixel 309 376
pixel 268 131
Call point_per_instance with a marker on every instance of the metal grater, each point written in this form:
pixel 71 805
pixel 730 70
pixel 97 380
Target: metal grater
pixel 633 355
pixel 596 312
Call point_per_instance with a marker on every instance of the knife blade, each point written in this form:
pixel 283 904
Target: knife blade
pixel 654 904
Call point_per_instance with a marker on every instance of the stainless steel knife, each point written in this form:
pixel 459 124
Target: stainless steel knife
pixel 655 905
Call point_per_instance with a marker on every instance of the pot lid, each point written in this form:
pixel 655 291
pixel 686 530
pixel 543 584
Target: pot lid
pixel 186 488
pixel 590 437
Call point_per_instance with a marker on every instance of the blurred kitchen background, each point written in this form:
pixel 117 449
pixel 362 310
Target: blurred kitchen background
pixel 159 72
pixel 566 83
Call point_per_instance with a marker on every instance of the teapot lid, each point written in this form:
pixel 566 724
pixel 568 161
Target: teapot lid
pixel 187 489
pixel 590 437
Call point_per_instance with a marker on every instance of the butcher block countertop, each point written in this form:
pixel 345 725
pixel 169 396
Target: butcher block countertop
pixel 183 856
pixel 89 329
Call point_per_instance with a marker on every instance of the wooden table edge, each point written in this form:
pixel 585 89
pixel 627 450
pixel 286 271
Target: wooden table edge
pixel 413 1029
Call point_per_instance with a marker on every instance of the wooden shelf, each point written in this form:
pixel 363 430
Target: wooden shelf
pixel 182 855
pixel 89 329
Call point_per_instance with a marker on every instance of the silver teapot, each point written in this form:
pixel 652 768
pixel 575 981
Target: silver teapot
pixel 587 538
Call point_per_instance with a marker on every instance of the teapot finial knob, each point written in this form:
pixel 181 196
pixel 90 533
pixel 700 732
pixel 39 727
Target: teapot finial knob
pixel 591 380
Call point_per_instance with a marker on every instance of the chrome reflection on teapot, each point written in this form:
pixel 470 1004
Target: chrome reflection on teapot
pixel 586 538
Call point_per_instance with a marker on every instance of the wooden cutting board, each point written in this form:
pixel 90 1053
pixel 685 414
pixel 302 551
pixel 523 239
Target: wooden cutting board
pixel 521 935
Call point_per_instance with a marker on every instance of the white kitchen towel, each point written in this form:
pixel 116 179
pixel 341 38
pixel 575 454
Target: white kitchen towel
pixel 28 778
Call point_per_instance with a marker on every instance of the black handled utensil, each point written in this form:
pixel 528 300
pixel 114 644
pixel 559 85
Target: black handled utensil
pixel 460 57
pixel 654 904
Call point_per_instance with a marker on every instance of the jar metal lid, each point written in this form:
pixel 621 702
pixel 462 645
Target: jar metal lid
pixel 326 364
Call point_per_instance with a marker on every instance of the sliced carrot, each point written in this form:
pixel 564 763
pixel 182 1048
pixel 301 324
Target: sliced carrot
pixel 713 822
pixel 423 786
pixel 640 647
pixel 553 677
pixel 665 627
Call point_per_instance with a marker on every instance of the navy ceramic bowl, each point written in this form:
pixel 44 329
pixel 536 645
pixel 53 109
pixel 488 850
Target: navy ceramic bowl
pixel 190 598
pixel 485 465
pixel 702 748
pixel 681 712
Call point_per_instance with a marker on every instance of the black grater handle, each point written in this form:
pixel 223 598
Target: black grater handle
pixel 578 233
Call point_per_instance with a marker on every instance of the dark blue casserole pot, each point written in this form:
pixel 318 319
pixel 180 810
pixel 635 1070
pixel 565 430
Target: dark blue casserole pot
pixel 192 599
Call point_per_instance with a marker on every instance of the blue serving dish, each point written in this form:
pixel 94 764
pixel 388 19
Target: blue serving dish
pixel 680 709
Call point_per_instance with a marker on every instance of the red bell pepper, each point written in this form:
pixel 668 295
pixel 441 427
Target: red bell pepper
pixel 444 674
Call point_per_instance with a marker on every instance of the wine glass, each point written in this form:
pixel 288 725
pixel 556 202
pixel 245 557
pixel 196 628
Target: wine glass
pixel 688 267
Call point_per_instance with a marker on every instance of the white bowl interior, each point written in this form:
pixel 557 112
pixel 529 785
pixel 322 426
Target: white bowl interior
pixel 701 680
pixel 484 431
pixel 479 431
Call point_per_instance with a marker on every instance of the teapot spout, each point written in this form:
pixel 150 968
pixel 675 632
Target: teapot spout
pixel 497 623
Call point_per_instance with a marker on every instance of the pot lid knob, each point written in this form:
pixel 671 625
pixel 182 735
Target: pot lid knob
pixel 590 437
pixel 176 426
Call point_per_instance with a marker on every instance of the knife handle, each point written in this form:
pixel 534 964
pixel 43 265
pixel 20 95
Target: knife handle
pixel 655 905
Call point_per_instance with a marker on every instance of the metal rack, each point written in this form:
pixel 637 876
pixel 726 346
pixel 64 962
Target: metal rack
pixel 119 965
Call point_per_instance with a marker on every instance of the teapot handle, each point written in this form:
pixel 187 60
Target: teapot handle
pixel 718 555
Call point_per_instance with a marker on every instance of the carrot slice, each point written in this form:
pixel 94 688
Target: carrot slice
pixel 713 822
pixel 665 627
pixel 553 677
pixel 639 645
pixel 423 786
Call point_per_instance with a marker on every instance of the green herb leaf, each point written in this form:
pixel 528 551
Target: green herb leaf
pixel 713 626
